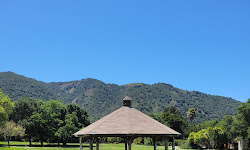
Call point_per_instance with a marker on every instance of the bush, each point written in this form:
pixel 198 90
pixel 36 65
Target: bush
pixel 139 141
pixel 115 140
pixel 184 144
pixel 148 141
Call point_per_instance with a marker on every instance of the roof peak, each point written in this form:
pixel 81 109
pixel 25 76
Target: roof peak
pixel 127 98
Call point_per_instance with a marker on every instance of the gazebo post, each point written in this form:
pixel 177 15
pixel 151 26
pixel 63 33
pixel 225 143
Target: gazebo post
pixel 155 143
pixel 126 144
pixel 91 143
pixel 166 144
pixel 97 143
pixel 80 140
pixel 129 143
pixel 173 144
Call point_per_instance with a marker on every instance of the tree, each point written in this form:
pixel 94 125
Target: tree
pixel 23 110
pixel 65 132
pixel 210 137
pixel 81 114
pixel 3 116
pixel 12 129
pixel 227 124
pixel 217 137
pixel 56 113
pixel 172 117
pixel 242 123
pixel 6 107
pixel 191 114
pixel 201 138
pixel 39 122
pixel 191 139
pixel 75 119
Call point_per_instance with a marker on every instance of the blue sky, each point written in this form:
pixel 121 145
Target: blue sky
pixel 201 45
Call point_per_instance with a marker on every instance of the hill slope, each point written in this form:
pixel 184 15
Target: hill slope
pixel 99 98
pixel 17 86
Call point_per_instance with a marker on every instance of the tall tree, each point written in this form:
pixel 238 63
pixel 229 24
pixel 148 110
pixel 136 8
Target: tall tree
pixel 75 119
pixel 56 115
pixel 242 124
pixel 66 132
pixel 23 110
pixel 39 121
pixel 81 114
pixel 227 124
pixel 191 114
pixel 6 107
pixel 173 118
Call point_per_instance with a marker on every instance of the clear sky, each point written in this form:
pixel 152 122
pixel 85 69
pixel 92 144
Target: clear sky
pixel 201 45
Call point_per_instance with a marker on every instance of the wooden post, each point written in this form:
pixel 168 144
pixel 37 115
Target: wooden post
pixel 155 143
pixel 91 143
pixel 129 143
pixel 126 144
pixel 166 144
pixel 80 143
pixel 173 144
pixel 97 143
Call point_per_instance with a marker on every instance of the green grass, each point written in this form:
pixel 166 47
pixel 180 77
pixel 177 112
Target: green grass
pixel 17 143
pixel 85 147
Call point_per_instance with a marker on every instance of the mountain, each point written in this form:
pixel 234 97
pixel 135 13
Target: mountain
pixel 99 98
pixel 17 86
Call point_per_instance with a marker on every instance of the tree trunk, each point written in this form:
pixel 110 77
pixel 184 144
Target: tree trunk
pixel 42 142
pixel 248 144
pixel 235 146
pixel 64 143
pixel 8 141
pixel 30 141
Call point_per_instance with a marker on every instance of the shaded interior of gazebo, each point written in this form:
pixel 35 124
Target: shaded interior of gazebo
pixel 127 123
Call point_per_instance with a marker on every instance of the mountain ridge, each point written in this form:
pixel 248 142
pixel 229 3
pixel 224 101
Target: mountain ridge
pixel 100 98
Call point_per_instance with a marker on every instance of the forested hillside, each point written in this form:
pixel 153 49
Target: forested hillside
pixel 17 86
pixel 99 98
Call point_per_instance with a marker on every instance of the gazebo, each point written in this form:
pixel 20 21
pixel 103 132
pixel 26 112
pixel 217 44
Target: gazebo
pixel 127 123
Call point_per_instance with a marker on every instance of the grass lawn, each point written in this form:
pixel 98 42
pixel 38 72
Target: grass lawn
pixel 85 147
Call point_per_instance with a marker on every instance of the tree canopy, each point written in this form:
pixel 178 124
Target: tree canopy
pixel 242 124
pixel 12 129
pixel 6 107
pixel 49 120
pixel 191 114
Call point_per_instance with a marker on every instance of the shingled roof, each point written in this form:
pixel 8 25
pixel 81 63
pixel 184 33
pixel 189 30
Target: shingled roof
pixel 127 98
pixel 127 121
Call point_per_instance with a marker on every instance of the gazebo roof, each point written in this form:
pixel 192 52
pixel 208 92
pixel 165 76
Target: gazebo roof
pixel 127 98
pixel 127 121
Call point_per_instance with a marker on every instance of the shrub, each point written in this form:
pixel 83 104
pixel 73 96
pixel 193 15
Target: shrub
pixel 184 144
